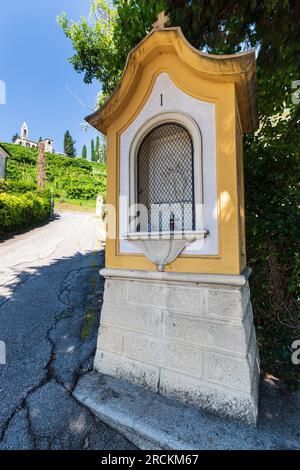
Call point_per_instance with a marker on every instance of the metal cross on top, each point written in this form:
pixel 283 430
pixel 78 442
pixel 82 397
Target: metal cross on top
pixel 162 21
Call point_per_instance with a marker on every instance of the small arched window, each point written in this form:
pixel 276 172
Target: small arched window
pixel 165 179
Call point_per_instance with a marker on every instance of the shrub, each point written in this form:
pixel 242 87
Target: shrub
pixel 12 186
pixel 77 190
pixel 273 234
pixel 3 185
pixel 22 210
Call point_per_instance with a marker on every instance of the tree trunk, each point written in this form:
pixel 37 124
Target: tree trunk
pixel 41 170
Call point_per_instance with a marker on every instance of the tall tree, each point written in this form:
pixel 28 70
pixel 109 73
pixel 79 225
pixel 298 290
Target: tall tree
pixel 103 154
pixel 97 151
pixel 103 148
pixel 41 166
pixel 84 152
pixel 103 40
pixel 69 145
pixel 93 153
pixel 14 138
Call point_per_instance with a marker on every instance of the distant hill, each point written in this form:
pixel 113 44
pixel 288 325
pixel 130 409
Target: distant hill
pixel 66 178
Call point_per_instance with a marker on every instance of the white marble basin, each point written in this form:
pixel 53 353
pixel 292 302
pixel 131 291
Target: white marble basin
pixel 163 248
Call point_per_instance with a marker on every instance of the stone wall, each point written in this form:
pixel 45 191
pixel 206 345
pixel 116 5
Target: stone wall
pixel 192 341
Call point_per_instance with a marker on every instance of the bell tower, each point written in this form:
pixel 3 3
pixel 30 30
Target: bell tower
pixel 24 131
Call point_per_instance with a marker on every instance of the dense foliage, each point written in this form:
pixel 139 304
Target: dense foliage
pixel 22 210
pixel 17 187
pixel 102 42
pixel 74 178
pixel 23 205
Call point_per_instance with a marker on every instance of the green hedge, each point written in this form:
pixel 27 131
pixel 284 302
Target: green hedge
pixel 78 190
pixel 13 186
pixel 20 211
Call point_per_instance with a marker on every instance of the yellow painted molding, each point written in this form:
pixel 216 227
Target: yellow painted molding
pixel 237 68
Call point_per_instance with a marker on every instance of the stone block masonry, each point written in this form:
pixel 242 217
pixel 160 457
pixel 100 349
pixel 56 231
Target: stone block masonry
pixel 191 339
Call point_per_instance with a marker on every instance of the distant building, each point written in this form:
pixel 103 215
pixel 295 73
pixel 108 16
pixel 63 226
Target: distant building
pixel 23 140
pixel 3 160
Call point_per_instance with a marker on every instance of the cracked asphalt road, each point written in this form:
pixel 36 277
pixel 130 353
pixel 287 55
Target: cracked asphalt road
pixel 50 302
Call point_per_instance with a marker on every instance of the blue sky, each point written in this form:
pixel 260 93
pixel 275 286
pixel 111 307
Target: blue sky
pixel 41 85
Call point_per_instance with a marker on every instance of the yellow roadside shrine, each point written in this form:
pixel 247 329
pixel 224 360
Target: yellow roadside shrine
pixel 177 315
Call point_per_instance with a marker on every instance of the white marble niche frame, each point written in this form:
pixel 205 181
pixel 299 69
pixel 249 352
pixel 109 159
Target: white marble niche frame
pixel 167 103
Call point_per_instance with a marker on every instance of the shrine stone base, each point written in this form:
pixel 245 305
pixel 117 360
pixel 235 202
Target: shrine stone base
pixel 186 336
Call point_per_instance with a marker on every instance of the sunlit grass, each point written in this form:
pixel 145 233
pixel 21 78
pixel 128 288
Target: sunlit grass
pixel 76 205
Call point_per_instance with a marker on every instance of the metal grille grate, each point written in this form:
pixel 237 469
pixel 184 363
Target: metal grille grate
pixel 165 179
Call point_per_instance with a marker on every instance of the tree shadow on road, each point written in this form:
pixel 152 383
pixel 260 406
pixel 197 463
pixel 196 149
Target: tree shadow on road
pixel 49 318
